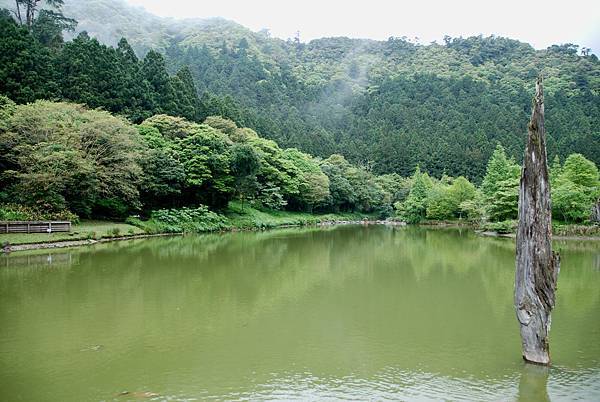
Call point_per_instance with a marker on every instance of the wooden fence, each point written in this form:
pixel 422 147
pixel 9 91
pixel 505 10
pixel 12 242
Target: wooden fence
pixel 34 226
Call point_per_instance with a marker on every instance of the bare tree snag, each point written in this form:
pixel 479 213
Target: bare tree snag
pixel 537 265
pixel 595 218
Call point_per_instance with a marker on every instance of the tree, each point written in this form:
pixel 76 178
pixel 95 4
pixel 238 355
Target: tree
pixel 570 202
pixel 245 164
pixel 473 209
pixel 537 265
pixel 555 170
pixel 581 171
pixel 164 175
pixel 341 192
pixel 503 205
pixel 185 90
pixel 26 67
pixel 25 10
pixel 220 123
pixel 461 191
pixel 414 209
pixel 313 184
pixel 49 26
pixel 314 188
pixel 576 189
pixel 500 186
pixel 277 174
pixel 440 205
pixel 66 156
pixel 162 96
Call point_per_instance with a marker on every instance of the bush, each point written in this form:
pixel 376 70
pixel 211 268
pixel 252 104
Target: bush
pixel 199 219
pixel 16 212
pixel 385 212
pixel 502 227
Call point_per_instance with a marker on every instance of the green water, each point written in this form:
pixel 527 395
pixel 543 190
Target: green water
pixel 366 313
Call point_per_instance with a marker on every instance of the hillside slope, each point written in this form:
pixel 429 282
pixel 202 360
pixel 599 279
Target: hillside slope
pixel 386 104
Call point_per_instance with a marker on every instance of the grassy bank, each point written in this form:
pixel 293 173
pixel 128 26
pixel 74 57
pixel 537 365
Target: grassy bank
pixel 234 218
pixel 247 218
pixel 510 227
pixel 251 218
pixel 85 230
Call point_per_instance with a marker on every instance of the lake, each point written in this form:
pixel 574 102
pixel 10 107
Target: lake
pixel 347 312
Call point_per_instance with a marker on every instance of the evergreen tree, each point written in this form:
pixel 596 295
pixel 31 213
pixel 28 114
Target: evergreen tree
pixel 414 209
pixel 500 186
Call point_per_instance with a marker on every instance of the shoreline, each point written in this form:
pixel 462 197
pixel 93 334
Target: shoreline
pixel 554 237
pixel 89 242
pixel 441 225
pixel 78 243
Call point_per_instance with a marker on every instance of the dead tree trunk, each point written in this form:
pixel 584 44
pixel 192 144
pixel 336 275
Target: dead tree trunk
pixel 595 218
pixel 537 265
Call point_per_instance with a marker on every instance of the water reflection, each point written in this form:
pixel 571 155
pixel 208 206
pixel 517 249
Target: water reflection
pixel 533 385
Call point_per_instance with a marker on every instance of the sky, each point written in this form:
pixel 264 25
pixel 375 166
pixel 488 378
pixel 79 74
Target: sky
pixel 540 23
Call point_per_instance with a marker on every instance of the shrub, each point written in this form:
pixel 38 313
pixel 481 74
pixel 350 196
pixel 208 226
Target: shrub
pixel 502 227
pixel 199 219
pixel 16 212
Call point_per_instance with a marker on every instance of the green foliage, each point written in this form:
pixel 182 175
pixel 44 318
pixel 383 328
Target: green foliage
pixel 561 229
pixel 505 203
pixel 473 209
pixel 500 186
pixel 7 108
pixel 555 171
pixel 192 220
pixel 576 189
pixel 18 212
pixel 63 156
pixel 341 192
pixel 253 218
pixel 225 125
pixel 245 164
pixel 570 203
pixel 386 104
pixel 26 66
pixel 313 184
pixel 502 227
pixel 59 156
pixel 270 196
pixel 187 158
pixel 440 205
pixel 581 172
pixel 395 187
pixel 355 188
pixel 169 127
pixel 414 209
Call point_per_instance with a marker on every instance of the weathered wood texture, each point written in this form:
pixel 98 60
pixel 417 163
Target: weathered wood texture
pixel 34 226
pixel 537 266
pixel 595 218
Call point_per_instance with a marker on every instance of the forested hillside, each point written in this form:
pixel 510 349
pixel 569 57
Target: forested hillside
pixel 385 105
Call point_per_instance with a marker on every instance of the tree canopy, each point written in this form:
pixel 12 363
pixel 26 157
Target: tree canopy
pixel 387 104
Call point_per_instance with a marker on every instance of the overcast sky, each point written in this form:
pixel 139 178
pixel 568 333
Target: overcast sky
pixel 540 23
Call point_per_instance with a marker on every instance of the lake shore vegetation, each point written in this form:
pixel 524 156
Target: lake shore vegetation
pixel 93 132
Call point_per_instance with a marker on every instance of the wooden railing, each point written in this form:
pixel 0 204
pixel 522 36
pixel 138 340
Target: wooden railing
pixel 34 226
